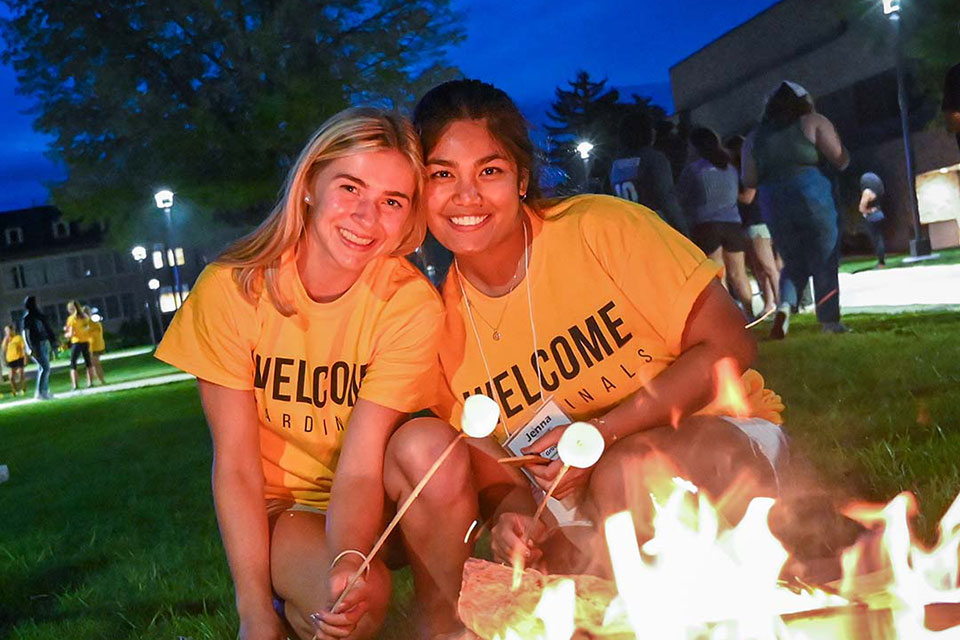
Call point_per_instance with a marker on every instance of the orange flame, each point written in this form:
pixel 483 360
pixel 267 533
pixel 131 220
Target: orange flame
pixel 731 394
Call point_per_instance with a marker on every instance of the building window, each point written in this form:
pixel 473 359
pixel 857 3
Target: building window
pixel 157 259
pixel 128 305
pixel 13 236
pixel 89 266
pixel 61 229
pixel 113 307
pixel 16 277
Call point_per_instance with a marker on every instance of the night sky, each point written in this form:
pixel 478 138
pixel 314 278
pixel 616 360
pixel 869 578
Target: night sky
pixel 526 47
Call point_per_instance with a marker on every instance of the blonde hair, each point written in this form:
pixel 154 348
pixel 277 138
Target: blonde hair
pixel 256 257
pixel 77 309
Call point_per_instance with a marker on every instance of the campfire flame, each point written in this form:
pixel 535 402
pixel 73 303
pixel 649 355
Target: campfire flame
pixel 698 579
pixel 731 395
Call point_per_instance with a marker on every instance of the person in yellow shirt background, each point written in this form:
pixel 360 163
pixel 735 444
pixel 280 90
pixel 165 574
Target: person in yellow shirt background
pixel 312 339
pixel 15 355
pixel 97 344
pixel 591 308
pixel 77 331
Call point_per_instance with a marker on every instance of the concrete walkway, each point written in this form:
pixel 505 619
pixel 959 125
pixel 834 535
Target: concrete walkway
pixel 914 288
pixel 120 386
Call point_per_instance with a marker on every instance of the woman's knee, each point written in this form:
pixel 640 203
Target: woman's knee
pixel 414 448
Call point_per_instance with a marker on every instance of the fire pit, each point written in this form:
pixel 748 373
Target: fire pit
pixel 696 580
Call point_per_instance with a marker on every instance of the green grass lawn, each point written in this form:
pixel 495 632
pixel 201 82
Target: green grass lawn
pixel 107 522
pixel 853 264
pixel 114 370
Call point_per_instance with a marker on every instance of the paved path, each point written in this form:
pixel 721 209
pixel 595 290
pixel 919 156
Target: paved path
pixel 903 289
pixel 120 386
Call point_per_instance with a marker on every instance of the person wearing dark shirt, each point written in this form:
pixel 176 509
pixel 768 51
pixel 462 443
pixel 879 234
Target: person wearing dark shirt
pixel 951 101
pixel 41 341
pixel 643 175
pixel 871 191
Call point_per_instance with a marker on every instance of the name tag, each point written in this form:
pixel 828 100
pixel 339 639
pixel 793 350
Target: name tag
pixel 549 417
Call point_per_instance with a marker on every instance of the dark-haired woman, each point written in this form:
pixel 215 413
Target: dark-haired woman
pixel 781 159
pixel 592 308
pixel 709 189
pixel 41 342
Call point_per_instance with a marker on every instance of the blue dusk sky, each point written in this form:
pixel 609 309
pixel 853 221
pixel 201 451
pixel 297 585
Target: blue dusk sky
pixel 526 47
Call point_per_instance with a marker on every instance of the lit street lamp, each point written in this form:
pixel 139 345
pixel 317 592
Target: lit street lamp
pixel 584 148
pixel 139 254
pixel 154 285
pixel 920 244
pixel 164 200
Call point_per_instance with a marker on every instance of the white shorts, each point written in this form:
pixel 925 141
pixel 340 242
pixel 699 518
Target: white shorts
pixel 765 436
pixel 758 231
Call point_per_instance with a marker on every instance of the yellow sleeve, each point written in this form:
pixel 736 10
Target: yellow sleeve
pixel 405 366
pixel 657 269
pixel 214 332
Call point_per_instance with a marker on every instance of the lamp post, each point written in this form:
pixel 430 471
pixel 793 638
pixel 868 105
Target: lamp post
pixel 584 148
pixel 154 285
pixel 139 254
pixel 920 244
pixel 164 200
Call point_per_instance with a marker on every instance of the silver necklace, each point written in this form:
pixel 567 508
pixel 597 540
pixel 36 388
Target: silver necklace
pixel 533 329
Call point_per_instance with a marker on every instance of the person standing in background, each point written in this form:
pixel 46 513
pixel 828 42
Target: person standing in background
pixel 644 175
pixel 781 159
pixel 97 345
pixel 760 253
pixel 871 191
pixel 709 189
pixel 15 355
pixel 41 341
pixel 77 331
pixel 951 101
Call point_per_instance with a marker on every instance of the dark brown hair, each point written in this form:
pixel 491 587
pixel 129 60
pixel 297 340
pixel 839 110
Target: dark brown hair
pixel 785 107
pixel 707 144
pixel 475 100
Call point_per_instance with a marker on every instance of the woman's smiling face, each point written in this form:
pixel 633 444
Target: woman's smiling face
pixel 359 208
pixel 472 189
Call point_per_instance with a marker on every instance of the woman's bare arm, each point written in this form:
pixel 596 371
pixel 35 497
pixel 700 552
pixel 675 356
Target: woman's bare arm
pixel 356 500
pixel 238 496
pixel 827 140
pixel 714 331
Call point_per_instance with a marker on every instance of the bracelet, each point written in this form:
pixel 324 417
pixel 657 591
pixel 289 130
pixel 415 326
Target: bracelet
pixel 347 552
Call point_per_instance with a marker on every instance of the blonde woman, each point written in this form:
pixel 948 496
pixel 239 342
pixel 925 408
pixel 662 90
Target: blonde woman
pixel 77 331
pixel 312 340
pixel 97 345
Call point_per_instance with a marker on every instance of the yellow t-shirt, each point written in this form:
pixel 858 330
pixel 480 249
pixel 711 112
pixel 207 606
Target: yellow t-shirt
pixel 378 342
pixel 16 348
pixel 96 337
pixel 81 328
pixel 611 286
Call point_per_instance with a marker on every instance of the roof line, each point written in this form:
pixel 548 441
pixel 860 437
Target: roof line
pixel 726 33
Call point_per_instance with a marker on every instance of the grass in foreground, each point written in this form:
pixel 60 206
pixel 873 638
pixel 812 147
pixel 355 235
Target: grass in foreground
pixel 108 528
pixel 116 370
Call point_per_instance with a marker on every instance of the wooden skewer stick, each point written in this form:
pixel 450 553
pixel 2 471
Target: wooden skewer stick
pixel 478 420
pixel 543 503
pixel 396 519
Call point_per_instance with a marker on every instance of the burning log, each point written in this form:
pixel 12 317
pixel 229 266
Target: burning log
pixel 488 607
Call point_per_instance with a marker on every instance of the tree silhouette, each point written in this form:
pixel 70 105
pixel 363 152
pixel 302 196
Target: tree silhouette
pixel 588 110
pixel 212 98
